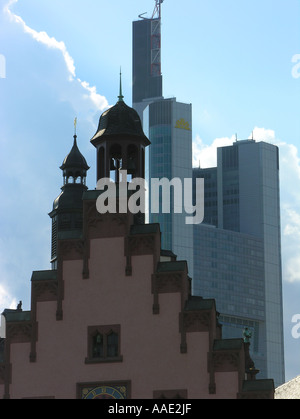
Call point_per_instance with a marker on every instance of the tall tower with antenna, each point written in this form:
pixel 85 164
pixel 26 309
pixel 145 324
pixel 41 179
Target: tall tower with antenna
pixel 146 66
pixel 168 125
pixel 157 9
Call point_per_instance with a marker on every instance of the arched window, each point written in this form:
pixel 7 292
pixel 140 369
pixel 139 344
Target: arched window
pixel 104 344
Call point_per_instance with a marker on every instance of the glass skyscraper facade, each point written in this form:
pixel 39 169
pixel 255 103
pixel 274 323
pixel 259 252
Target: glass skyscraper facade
pixel 168 125
pixel 237 250
pixel 170 156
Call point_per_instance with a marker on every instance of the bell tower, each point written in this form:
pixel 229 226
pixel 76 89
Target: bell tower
pixel 67 212
pixel 120 142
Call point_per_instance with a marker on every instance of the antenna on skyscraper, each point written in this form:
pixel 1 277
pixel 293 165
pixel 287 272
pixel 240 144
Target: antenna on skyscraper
pixel 157 9
pixel 142 17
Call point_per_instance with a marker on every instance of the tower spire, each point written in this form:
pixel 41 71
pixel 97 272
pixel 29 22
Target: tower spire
pixel 121 97
pixel 75 126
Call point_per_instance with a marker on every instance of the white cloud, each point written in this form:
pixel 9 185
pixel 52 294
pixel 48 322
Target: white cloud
pixel 263 134
pixel 290 208
pixel 290 217
pixel 293 269
pixel 43 38
pixel 90 92
pixel 6 300
pixel 100 101
pixel 206 155
pixel 292 226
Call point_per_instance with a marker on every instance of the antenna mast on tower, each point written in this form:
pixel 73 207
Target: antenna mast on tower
pixel 157 9
pixel 156 39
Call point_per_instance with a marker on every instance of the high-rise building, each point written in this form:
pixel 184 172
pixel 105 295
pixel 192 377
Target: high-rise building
pixel 146 63
pixel 170 156
pixel 235 253
pixel 237 250
pixel 168 124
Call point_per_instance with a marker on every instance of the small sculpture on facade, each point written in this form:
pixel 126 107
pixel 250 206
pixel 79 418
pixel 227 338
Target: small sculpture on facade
pixel 247 335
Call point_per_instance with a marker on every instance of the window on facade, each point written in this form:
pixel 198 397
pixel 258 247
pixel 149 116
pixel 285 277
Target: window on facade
pixel 98 346
pixel 112 344
pixel 103 344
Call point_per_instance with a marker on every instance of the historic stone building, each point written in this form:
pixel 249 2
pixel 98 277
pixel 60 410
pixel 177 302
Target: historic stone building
pixel 114 317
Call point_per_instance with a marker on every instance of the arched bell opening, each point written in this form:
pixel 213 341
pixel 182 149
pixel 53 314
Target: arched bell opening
pixel 115 162
pixel 101 163
pixel 132 161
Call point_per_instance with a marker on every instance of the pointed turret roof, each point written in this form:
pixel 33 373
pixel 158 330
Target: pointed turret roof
pixel 74 160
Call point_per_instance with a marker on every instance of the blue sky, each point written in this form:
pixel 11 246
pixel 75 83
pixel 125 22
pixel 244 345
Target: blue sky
pixel 237 62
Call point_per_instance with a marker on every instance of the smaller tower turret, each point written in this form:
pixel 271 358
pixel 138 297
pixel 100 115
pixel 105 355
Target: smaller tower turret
pixel 67 209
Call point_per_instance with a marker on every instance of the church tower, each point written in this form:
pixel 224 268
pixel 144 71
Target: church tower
pixel 67 209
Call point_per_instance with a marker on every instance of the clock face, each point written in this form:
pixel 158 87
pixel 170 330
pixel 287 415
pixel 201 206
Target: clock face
pixel 105 392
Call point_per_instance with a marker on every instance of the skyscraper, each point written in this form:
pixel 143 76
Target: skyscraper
pixel 170 156
pixel 237 250
pixel 146 63
pixel 168 125
pixel 235 254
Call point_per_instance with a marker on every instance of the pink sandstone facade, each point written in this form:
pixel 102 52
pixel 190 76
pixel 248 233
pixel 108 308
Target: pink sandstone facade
pixel 168 343
pixel 115 318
